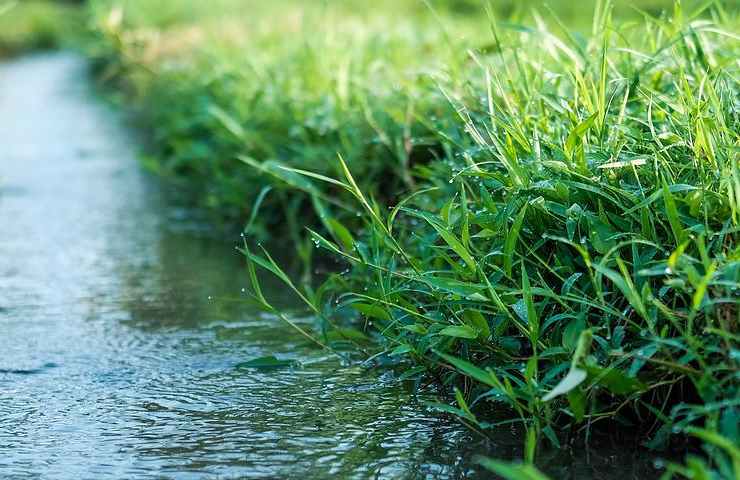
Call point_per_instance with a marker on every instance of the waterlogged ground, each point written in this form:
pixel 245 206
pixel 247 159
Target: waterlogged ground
pixel 115 364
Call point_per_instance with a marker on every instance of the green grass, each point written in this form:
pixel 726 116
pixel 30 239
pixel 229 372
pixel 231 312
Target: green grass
pixel 537 211
pixel 37 25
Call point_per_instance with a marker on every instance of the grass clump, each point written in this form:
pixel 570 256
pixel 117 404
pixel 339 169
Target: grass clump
pixel 562 237
pixel 577 261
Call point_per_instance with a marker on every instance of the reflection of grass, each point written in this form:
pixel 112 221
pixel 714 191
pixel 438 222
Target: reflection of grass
pixel 36 24
pixel 563 239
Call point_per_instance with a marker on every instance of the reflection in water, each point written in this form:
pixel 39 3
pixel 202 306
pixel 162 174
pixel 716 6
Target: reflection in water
pixel 114 363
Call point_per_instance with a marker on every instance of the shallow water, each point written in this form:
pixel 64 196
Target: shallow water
pixel 114 363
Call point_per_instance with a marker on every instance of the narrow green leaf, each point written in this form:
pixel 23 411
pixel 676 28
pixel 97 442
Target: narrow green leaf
pixel 269 361
pixel 451 240
pixel 701 288
pixel 532 318
pixel 459 331
pixel 530 444
pixel 400 350
pixel 464 405
pixel 374 311
pixel 513 471
pixel 625 285
pixel 577 134
pixel 416 328
pixel 477 373
pixel 575 377
pixel 476 319
pixel 672 212
pixel 577 404
pixel 342 234
pixel 453 286
pixel 511 240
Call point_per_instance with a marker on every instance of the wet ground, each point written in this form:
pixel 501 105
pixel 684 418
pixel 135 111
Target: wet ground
pixel 114 363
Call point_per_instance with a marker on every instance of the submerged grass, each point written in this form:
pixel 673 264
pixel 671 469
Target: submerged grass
pixel 537 212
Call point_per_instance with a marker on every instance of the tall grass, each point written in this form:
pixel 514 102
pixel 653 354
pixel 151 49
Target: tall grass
pixel 541 219
pixel 578 262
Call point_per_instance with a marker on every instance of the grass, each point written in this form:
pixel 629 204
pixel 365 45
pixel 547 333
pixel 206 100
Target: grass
pixel 536 211
pixel 37 25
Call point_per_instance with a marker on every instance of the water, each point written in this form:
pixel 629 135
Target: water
pixel 114 363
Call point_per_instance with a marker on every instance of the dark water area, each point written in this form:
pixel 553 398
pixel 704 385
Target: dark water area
pixel 115 362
